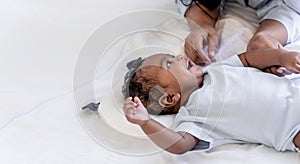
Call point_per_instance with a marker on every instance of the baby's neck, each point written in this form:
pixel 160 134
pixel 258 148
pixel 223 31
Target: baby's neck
pixel 186 95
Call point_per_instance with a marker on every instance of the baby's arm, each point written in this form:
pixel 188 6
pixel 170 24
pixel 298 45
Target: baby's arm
pixel 264 58
pixel 171 141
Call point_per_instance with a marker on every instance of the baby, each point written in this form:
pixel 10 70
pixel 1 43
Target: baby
pixel 231 101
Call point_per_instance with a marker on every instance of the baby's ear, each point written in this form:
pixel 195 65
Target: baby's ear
pixel 168 100
pixel 159 99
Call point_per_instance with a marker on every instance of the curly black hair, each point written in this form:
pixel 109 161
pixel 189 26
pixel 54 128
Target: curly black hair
pixel 132 66
pixel 142 83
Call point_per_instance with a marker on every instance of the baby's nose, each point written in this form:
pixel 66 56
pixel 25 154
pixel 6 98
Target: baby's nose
pixel 180 57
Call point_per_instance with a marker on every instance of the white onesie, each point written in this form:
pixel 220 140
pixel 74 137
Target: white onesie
pixel 240 104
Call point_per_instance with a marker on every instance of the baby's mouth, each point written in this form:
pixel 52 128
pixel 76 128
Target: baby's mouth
pixel 195 69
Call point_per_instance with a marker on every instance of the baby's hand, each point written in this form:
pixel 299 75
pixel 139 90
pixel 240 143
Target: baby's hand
pixel 291 61
pixel 135 112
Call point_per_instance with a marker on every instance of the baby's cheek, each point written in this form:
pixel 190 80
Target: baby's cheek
pixel 197 71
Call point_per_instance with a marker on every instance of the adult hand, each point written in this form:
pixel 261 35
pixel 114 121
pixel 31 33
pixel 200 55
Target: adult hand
pixel 203 34
pixel 277 70
pixel 197 40
pixel 260 40
pixel 135 111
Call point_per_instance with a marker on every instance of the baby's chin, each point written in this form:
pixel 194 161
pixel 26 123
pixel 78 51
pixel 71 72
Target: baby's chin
pixel 197 71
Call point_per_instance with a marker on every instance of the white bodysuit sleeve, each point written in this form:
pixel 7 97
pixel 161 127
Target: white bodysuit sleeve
pixel 285 11
pixel 233 61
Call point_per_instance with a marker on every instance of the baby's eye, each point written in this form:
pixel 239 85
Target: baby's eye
pixel 169 63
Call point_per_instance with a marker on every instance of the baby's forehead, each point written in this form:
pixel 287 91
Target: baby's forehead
pixel 155 60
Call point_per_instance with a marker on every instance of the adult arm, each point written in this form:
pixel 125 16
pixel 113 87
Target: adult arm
pixel 167 139
pixel 270 34
pixel 278 25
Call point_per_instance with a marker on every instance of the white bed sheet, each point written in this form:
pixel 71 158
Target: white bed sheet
pixel 39 44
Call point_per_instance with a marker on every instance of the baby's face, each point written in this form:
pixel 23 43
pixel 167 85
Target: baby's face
pixel 179 73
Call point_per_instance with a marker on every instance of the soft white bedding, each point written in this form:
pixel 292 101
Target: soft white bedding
pixel 39 119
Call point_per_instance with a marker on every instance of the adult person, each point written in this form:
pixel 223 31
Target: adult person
pixel 279 25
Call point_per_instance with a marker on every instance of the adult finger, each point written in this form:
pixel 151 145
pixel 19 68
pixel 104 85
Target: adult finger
pixel 211 50
pixel 198 46
pixel 203 58
pixel 282 71
pixel 274 71
pixel 195 52
pixel 213 44
pixel 189 51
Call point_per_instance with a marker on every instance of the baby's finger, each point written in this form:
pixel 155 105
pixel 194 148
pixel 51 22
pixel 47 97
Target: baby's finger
pixel 137 101
pixel 131 111
pixel 128 99
pixel 128 104
pixel 131 114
